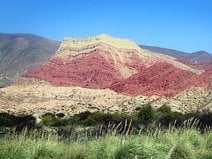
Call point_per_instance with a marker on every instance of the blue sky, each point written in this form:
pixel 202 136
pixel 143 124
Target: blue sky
pixel 178 24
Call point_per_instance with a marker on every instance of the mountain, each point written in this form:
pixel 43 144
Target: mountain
pixel 120 65
pixel 108 74
pixel 195 57
pixel 21 52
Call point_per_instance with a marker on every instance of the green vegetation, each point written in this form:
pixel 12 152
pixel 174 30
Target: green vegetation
pixel 146 114
pixel 8 120
pixel 185 143
pixel 145 134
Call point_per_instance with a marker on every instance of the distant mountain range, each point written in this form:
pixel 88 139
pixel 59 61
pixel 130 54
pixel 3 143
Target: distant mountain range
pixel 21 52
pixel 195 57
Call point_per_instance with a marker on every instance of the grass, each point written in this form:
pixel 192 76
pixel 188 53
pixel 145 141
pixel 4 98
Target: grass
pixel 147 134
pixel 185 143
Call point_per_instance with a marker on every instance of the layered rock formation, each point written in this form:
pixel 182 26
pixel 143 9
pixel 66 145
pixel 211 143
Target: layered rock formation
pixel 108 74
pixel 105 62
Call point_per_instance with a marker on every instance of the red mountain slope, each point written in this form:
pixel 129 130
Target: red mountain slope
pixel 104 62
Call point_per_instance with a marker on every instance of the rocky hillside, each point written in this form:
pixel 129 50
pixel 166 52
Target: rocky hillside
pixel 21 52
pixel 108 74
pixel 104 62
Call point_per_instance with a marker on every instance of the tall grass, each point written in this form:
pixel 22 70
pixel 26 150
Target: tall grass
pixel 184 143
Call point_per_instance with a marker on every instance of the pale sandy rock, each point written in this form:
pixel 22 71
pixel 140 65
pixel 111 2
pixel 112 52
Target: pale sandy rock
pixel 38 97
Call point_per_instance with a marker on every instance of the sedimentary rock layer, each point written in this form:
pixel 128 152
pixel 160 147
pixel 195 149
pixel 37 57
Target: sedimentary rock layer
pixel 103 62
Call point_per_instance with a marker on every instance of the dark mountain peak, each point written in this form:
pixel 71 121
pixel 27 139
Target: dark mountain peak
pixel 20 52
pixel 201 53
pixel 195 57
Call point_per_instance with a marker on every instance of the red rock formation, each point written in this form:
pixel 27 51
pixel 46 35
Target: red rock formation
pixel 90 70
pixel 101 68
pixel 93 71
pixel 160 79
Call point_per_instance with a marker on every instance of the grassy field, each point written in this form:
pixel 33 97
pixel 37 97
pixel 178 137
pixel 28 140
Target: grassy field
pixel 146 134
pixel 184 143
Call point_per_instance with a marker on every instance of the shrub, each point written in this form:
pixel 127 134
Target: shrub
pixel 102 118
pixel 175 119
pixel 60 115
pixel 83 115
pixel 206 120
pixel 48 119
pixel 164 110
pixel 96 118
pixel 7 120
pixel 146 114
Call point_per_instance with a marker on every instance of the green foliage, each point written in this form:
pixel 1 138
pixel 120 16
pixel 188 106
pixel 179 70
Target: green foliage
pixel 101 118
pixel 44 152
pixel 83 116
pixel 146 114
pixel 181 152
pixel 164 110
pixel 130 150
pixel 175 119
pixel 7 120
pixel 178 144
pixel 206 119
pixel 97 117
pixel 48 119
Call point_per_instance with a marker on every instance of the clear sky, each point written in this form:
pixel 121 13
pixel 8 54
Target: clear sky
pixel 178 24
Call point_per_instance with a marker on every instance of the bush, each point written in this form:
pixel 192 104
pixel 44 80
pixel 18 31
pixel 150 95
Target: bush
pixel 102 118
pixel 164 110
pixel 175 119
pixel 49 119
pixel 146 114
pixel 205 120
pixel 83 115
pixel 96 118
pixel 7 120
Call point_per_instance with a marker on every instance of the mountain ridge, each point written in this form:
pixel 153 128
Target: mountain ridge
pixel 21 52
pixel 204 56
